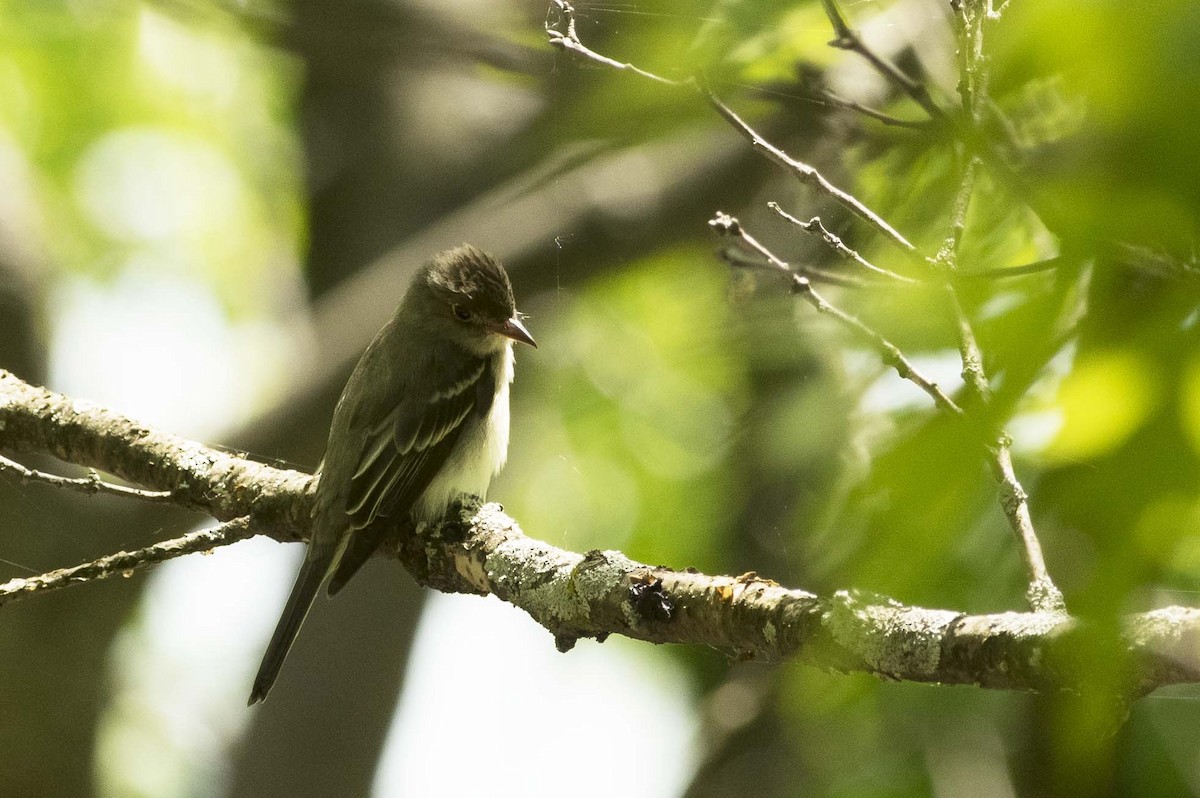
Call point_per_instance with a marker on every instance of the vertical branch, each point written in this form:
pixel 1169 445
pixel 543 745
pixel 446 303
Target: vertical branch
pixel 946 260
pixel 1042 594
pixel 970 16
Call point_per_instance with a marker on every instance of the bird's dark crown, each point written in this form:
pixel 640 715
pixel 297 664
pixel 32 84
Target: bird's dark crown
pixel 469 276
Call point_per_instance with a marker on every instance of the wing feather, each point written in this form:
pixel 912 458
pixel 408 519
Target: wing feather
pixel 401 456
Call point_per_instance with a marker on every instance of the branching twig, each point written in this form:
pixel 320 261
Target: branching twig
pixel 726 225
pixel 994 12
pixel 814 227
pixel 810 176
pixel 562 34
pixel 568 39
pixel 1042 592
pixel 973 89
pixel 125 563
pixel 92 483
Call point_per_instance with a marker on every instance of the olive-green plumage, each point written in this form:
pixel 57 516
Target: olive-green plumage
pixel 422 421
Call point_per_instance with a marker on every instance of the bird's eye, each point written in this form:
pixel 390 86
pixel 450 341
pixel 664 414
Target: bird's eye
pixel 461 313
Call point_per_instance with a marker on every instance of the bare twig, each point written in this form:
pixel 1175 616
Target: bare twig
pixel 973 75
pixel 846 38
pixel 125 563
pixel 947 260
pixel 92 483
pixel 810 176
pixel 814 227
pixel 1005 272
pixel 739 257
pixel 562 34
pixel 726 225
pixel 1042 593
pixel 887 119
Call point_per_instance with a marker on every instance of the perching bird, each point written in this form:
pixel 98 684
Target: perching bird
pixel 422 421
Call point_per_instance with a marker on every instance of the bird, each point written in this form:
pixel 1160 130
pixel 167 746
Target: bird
pixel 422 421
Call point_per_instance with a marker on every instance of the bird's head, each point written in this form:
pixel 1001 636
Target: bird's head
pixel 469 299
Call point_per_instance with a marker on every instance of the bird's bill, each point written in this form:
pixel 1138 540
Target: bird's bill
pixel 514 329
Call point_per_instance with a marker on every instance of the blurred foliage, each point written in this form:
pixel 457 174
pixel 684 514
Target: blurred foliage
pixel 1093 359
pixel 157 139
pixel 695 418
pixel 635 410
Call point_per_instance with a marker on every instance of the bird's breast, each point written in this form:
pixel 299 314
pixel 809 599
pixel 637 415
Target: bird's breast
pixel 479 453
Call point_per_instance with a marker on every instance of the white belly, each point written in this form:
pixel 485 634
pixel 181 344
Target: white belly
pixel 479 454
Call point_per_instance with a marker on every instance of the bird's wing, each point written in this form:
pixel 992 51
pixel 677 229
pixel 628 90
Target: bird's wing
pixel 402 454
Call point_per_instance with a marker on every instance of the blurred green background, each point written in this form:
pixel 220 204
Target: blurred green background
pixel 208 208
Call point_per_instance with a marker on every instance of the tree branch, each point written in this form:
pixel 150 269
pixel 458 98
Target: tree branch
pixel 887 119
pixel 92 483
pixel 726 225
pixel 222 485
pixel 125 563
pixel 1042 593
pixel 846 38
pixel 561 33
pixel 947 261
pixel 481 550
pixel 815 227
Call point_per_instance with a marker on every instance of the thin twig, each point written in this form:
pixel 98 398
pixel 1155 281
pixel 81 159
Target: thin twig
pixel 562 34
pixel 815 227
pixel 1042 593
pixel 740 258
pixel 726 225
pixel 1005 272
pixel 846 38
pixel 810 176
pixel 973 76
pixel 91 484
pixel 124 563
pixel 887 119
pixel 947 260
pixel 568 39
pixel 994 12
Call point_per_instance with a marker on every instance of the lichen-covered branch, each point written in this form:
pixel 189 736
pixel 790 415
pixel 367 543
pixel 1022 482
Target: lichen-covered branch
pixel 1042 593
pixel 482 550
pixel 225 486
pixel 125 563
pixel 576 596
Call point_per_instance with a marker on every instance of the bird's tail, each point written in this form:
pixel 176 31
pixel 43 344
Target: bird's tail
pixel 308 581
